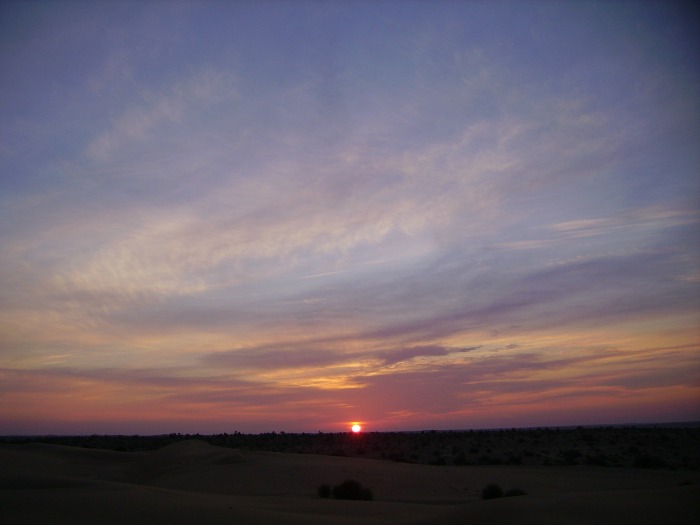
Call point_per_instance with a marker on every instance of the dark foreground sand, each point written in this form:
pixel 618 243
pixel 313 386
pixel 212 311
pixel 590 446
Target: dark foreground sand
pixel 192 482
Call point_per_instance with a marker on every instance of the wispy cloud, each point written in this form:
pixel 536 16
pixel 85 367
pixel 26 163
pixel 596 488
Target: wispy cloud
pixel 347 219
pixel 162 113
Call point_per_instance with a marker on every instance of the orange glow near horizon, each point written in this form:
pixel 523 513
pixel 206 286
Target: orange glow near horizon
pixel 356 429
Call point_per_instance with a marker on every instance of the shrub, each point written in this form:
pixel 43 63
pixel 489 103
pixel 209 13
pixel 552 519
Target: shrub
pixel 492 491
pixel 324 491
pixel 489 460
pixel 460 459
pixel 399 457
pixel 647 461
pixel 351 489
pixel 570 456
pixel 514 460
pixel 599 459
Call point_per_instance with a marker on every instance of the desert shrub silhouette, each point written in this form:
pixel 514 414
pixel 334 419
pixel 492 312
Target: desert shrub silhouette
pixel 351 489
pixel 648 461
pixel 492 491
pixel 324 491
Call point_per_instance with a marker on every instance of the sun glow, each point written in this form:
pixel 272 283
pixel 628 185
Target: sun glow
pixel 356 428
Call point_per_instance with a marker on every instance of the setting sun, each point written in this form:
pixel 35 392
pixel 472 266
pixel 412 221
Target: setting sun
pixel 356 428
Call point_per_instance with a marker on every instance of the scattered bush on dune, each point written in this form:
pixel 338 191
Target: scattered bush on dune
pixel 648 461
pixel 493 491
pixel 352 490
pixel 460 459
pixel 489 460
pixel 324 491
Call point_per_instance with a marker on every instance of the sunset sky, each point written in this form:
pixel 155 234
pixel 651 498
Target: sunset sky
pixel 293 216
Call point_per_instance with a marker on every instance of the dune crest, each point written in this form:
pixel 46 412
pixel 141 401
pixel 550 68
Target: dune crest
pixel 183 456
pixel 195 450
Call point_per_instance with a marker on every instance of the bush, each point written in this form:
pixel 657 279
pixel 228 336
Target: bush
pixel 492 491
pixel 570 456
pixel 598 458
pixel 351 489
pixel 438 460
pixel 514 460
pixel 647 461
pixel 460 459
pixel 489 460
pixel 324 491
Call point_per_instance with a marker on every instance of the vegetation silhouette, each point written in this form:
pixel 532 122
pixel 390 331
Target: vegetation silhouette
pixel 349 489
pixel 645 447
pixel 494 490
pixel 324 491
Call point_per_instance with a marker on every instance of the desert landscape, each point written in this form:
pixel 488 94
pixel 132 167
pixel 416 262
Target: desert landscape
pixel 193 481
pixel 387 262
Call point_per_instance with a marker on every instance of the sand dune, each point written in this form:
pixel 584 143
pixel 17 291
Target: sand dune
pixel 194 482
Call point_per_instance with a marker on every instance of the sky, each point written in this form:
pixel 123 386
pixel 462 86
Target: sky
pixel 294 216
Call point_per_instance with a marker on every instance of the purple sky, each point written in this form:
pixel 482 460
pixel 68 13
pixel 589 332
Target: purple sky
pixel 257 216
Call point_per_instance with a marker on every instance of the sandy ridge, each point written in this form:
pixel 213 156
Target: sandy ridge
pixel 194 482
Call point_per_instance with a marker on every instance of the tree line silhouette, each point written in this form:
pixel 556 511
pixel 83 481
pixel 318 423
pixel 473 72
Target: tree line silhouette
pixel 642 447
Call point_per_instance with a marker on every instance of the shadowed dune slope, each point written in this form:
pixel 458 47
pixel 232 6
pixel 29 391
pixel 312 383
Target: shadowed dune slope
pixel 194 482
pixel 677 505
pixel 182 458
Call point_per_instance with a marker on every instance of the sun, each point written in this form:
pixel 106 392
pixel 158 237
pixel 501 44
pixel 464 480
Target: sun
pixel 356 428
